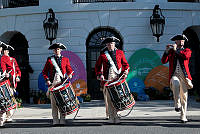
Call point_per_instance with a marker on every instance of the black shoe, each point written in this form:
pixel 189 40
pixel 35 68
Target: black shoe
pixel 107 118
pixel 184 122
pixel 56 125
pixel 177 109
pixel 61 125
pixel 9 120
pixel 108 123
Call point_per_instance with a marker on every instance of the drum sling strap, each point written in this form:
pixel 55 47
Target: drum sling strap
pixel 112 63
pixel 14 74
pixel 57 70
pixel 56 67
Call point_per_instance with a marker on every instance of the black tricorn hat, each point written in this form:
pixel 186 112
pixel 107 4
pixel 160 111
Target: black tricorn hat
pixel 2 44
pixel 110 39
pixel 5 46
pixel 57 45
pixel 179 37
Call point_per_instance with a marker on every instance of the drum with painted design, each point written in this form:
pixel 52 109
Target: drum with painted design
pixel 7 99
pixel 65 97
pixel 120 94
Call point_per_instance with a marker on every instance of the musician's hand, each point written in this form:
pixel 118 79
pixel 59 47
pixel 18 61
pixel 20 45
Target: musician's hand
pixel 126 72
pixel 70 76
pixel 7 75
pixel 168 47
pixel 174 47
pixel 125 76
pixel 48 83
pixel 101 77
pixel 17 79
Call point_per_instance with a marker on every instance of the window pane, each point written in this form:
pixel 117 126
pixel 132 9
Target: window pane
pixel 183 0
pixel 93 64
pixel 93 55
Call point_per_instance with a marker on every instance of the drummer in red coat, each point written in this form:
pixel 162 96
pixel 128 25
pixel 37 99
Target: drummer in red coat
pixel 9 64
pixel 110 65
pixel 179 74
pixel 56 68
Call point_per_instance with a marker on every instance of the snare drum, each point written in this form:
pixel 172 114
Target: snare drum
pixel 120 94
pixel 7 99
pixel 65 97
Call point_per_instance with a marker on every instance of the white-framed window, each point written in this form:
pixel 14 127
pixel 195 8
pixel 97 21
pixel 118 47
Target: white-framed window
pixel 99 1
pixel 183 0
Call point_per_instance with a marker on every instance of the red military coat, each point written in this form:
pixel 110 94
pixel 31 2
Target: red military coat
pixel 183 56
pixel 102 60
pixel 7 64
pixel 49 70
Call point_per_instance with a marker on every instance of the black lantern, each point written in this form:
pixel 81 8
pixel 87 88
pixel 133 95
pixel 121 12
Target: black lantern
pixel 50 25
pixel 157 22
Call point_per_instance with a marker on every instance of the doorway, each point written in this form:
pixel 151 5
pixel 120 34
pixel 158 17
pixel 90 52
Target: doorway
pixel 18 41
pixel 193 35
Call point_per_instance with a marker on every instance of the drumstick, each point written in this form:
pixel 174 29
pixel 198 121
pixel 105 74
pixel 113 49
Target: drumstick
pixel 9 71
pixel 52 86
pixel 4 74
pixel 68 77
pixel 121 76
pixel 64 81
pixel 117 80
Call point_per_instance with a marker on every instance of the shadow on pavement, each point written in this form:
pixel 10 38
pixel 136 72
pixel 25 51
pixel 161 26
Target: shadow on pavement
pixel 161 122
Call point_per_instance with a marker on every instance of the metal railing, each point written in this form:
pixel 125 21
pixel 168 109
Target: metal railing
pixel 18 3
pixel 95 1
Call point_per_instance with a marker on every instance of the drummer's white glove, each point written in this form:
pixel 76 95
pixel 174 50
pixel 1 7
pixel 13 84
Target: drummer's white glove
pixel 125 74
pixel 17 79
pixel 48 83
pixel 70 76
pixel 7 75
pixel 101 77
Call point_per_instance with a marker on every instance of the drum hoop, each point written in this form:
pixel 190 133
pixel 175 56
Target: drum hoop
pixel 12 107
pixel 128 106
pixel 60 87
pixel 72 111
pixel 108 85
pixel 4 82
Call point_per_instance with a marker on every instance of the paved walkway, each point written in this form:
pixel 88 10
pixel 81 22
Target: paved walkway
pixel 96 109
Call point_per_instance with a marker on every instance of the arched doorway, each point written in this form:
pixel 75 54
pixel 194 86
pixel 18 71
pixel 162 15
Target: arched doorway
pixel 20 44
pixel 193 35
pixel 93 45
